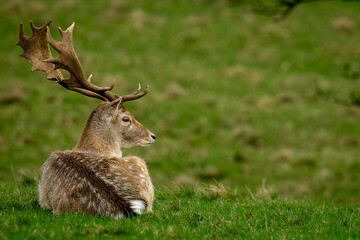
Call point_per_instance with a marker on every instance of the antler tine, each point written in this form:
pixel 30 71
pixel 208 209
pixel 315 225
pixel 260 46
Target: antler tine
pixel 135 95
pixel 21 35
pixel 35 29
pixel 137 90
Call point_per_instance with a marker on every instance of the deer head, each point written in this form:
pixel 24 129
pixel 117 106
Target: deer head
pixel 110 127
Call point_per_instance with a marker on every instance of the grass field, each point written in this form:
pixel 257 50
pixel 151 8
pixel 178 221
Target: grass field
pixel 235 98
pixel 208 212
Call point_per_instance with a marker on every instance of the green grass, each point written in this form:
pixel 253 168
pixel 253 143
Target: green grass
pixel 235 98
pixel 212 212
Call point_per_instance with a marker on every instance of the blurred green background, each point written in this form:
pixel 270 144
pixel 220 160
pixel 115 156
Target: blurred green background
pixel 235 97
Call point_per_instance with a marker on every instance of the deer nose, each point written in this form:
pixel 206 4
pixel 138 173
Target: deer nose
pixel 153 136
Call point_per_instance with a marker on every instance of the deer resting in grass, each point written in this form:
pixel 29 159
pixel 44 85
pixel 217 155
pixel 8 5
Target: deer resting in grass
pixel 92 178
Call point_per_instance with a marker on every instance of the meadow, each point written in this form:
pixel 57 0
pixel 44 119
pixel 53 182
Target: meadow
pixel 206 212
pixel 265 113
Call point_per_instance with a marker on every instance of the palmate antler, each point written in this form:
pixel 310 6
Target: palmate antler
pixel 37 52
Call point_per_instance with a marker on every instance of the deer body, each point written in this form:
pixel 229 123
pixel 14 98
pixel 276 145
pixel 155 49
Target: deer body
pixel 93 178
pixel 97 184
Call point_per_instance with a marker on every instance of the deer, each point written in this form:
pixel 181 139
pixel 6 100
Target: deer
pixel 93 178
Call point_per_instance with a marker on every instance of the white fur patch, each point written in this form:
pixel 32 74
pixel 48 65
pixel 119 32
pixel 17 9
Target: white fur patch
pixel 138 206
pixel 119 154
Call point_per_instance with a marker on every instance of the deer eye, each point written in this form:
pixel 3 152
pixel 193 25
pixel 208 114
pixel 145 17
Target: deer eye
pixel 125 119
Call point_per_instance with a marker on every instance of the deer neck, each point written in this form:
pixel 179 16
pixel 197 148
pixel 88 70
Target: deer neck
pixel 98 139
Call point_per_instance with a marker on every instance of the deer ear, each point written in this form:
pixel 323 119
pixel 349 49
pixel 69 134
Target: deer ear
pixel 111 115
pixel 116 102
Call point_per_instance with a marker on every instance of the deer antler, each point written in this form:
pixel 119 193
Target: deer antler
pixel 37 52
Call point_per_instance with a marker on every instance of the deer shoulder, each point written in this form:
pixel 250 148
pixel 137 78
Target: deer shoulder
pixel 92 178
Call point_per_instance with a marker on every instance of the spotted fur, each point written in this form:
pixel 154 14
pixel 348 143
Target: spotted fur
pixel 83 182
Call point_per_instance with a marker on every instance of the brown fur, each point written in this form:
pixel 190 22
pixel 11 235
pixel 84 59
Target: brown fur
pixel 93 178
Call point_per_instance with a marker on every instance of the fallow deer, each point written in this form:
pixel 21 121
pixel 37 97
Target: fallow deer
pixel 92 178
